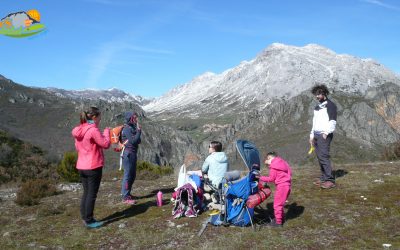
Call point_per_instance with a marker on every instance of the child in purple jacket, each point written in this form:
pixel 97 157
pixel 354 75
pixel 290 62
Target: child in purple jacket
pixel 281 175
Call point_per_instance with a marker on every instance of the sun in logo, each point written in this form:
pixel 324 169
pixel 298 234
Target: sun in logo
pixel 21 24
pixel 34 14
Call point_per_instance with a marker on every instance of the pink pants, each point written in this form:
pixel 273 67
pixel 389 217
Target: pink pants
pixel 281 194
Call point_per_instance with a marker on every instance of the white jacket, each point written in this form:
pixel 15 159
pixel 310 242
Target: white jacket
pixel 324 121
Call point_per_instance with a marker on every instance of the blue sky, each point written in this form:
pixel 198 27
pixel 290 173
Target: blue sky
pixel 147 47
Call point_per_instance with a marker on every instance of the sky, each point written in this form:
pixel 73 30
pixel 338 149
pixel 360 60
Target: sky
pixel 148 47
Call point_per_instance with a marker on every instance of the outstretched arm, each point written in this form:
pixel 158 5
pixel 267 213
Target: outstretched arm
pixel 270 178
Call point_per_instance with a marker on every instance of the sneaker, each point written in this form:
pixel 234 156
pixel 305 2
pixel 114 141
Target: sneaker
pixel 94 224
pixel 128 200
pixel 328 185
pixel 92 220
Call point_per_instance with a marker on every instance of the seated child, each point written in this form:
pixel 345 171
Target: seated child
pixel 280 174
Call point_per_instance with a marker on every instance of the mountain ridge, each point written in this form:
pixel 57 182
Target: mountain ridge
pixel 368 111
pixel 279 71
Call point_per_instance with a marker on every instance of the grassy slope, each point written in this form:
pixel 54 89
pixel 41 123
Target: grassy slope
pixel 316 219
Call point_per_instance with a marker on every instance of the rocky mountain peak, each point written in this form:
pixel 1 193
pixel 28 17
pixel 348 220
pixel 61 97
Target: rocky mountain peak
pixel 111 95
pixel 278 72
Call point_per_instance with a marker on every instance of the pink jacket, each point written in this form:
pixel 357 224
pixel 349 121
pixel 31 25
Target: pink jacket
pixel 280 172
pixel 89 143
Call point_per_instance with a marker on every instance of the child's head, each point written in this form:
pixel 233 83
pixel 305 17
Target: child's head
pixel 270 156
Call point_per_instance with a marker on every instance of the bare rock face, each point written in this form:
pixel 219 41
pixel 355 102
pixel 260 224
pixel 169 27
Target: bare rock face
pixel 387 104
pixel 361 122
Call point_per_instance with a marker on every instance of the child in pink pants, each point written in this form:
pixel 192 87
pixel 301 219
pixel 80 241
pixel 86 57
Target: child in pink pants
pixel 281 175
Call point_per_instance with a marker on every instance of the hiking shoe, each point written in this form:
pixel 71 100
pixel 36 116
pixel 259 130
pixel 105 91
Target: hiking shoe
pixel 271 224
pixel 318 182
pixel 94 224
pixel 128 200
pixel 274 224
pixel 328 185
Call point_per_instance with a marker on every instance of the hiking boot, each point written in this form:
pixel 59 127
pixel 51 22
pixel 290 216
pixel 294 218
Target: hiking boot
pixel 94 224
pixel 128 200
pixel 328 185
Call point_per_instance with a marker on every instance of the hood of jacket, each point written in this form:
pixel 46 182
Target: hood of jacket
pixel 279 164
pixel 128 116
pixel 219 157
pixel 80 131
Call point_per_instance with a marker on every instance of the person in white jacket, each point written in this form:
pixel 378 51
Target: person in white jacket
pixel 324 124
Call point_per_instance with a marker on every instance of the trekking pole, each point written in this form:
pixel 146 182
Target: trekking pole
pixel 204 226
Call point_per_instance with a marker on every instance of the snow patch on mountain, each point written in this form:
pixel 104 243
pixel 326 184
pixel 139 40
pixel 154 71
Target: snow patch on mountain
pixel 110 95
pixel 279 71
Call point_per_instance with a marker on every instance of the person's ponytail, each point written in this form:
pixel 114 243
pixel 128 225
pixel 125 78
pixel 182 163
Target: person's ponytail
pixel 83 117
pixel 88 115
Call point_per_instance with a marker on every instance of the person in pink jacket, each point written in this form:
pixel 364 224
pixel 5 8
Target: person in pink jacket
pixel 89 143
pixel 281 175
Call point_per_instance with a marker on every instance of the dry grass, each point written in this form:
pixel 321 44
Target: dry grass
pixel 316 219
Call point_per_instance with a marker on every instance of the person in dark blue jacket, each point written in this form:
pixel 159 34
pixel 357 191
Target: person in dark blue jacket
pixel 131 135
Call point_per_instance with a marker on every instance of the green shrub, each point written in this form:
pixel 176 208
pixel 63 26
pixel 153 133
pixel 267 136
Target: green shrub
pixel 33 190
pixel 67 168
pixel 21 161
pixel 392 153
pixel 149 171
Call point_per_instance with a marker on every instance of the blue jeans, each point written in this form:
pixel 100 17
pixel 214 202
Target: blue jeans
pixel 129 162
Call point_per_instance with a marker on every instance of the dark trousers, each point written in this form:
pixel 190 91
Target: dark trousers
pixel 91 182
pixel 129 160
pixel 322 148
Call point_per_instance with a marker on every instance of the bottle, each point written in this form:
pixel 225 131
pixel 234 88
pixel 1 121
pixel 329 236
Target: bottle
pixel 159 198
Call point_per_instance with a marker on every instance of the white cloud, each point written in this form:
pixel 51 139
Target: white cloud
pixel 107 53
pixel 381 4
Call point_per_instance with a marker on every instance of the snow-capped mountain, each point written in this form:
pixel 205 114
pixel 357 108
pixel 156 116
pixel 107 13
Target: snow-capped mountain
pixel 111 95
pixel 279 72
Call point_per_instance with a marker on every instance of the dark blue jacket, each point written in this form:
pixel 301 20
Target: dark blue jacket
pixel 130 133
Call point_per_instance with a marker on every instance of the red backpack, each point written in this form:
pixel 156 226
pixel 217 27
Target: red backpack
pixel 116 139
pixel 116 142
